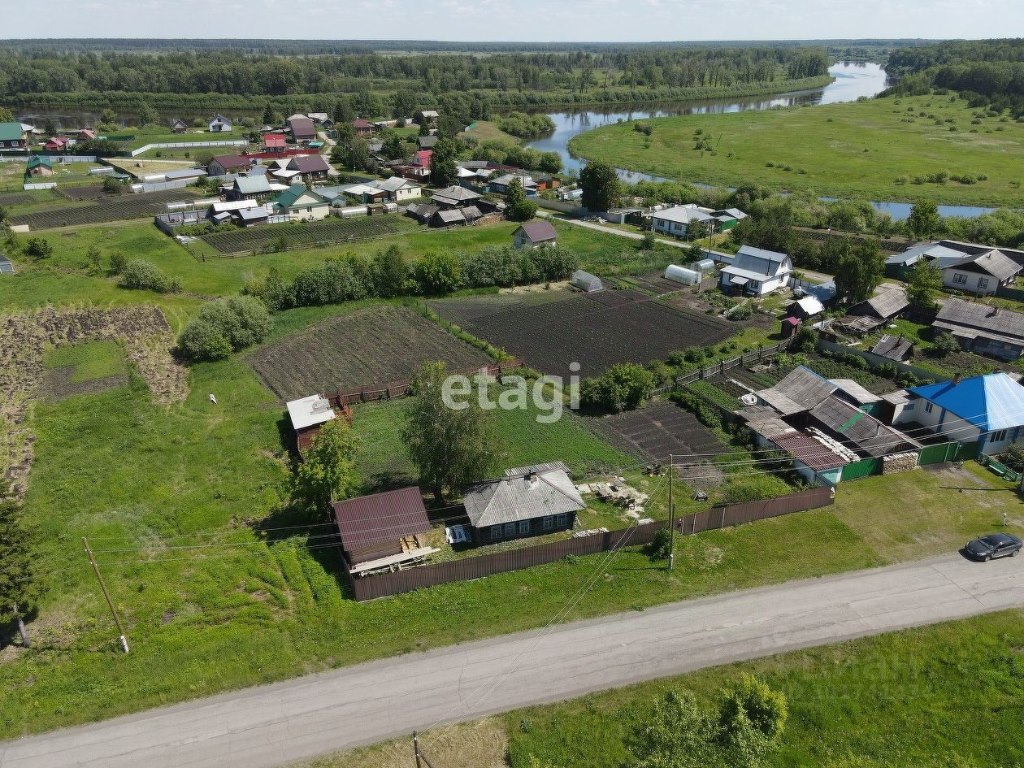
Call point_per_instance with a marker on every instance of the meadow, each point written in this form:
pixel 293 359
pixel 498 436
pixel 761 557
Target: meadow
pixel 910 148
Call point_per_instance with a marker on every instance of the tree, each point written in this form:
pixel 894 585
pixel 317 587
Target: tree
pixel 451 447
pixel 438 272
pixel 393 148
pixel 268 114
pixel 390 272
pixel 622 387
pixel 18 589
pixel 443 170
pixel 859 270
pixel 924 219
pixel 37 248
pixel 944 344
pixel 147 115
pixel 518 207
pixel 751 720
pixel 601 186
pixel 328 470
pixel 550 162
pixel 678 734
pixel 222 327
pixel 924 284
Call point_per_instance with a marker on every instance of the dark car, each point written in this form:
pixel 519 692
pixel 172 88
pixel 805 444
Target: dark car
pixel 993 545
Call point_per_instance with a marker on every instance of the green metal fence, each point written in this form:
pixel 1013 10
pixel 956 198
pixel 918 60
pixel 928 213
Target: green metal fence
pixel 862 468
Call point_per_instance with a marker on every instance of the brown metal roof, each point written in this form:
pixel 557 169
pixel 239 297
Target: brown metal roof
pixel 309 164
pixel 539 231
pixel 380 518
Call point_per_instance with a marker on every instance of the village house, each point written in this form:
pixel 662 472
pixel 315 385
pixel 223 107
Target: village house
pixel 310 167
pixel 363 127
pixel 222 165
pixel 677 220
pixel 527 501
pixel 454 217
pixel 756 272
pixel 87 134
pixel 454 197
pixel 178 126
pixel 501 184
pixel 301 204
pixel 397 189
pixel 427 142
pixel 57 144
pixel 308 415
pixel 274 142
pixel 984 330
pixel 301 128
pixel 981 274
pixel 727 219
pixel 427 117
pixel 986 409
pixel 219 124
pixel 39 166
pixel 535 234
pixel 12 136
pixel 255 187
pixel 386 528
pixel 887 303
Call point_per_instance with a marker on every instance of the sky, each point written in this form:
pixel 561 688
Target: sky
pixel 517 20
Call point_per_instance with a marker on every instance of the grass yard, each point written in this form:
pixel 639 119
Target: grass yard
pixel 92 360
pixel 882 149
pixel 486 130
pixel 897 700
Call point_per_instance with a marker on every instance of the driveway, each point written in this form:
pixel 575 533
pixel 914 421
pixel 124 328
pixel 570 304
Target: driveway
pixel 270 725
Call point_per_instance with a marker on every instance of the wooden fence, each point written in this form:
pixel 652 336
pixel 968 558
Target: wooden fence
pixel 397 389
pixel 386 584
pixel 747 512
pixel 747 358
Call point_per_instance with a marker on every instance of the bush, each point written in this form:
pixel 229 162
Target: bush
pixel 661 545
pixel 222 327
pixel 141 275
pixel 37 248
pixel 438 273
pixel 622 387
pixel 740 312
pixel 945 344
pixel 1014 458
pixel 118 262
pixel 332 282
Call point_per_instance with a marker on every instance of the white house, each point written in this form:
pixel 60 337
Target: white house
pixel 981 274
pixel 219 124
pixel 301 204
pixel 756 272
pixel 674 221
pixel 988 409
pixel 397 189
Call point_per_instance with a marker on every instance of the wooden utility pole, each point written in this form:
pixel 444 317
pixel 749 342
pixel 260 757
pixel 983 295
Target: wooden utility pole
pixel 96 569
pixel 419 755
pixel 671 516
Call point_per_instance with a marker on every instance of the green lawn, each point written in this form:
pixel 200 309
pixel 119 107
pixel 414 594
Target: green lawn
pixel 865 150
pixel 92 360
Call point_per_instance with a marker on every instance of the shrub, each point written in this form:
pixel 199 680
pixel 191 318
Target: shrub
pixel 141 275
pixel 945 344
pixel 225 326
pixel 740 312
pixel 438 273
pixel 332 282
pixel 118 262
pixel 37 248
pixel 622 387
pixel 661 545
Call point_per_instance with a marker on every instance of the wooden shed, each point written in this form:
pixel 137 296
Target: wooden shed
pixel 381 525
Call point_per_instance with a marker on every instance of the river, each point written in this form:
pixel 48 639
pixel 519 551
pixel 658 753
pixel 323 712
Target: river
pixel 852 81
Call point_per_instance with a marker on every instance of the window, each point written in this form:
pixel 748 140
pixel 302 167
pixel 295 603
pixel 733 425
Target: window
pixel 510 530
pixel 560 521
pixel 959 278
pixel 495 532
pixel 548 523
pixel 927 407
pixel 524 527
pixel 998 436
pixel 982 283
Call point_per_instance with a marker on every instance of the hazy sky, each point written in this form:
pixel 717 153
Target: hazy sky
pixel 516 20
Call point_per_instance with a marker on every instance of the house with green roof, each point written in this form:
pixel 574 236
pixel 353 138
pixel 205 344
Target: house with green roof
pixel 301 204
pixel 12 136
pixel 39 166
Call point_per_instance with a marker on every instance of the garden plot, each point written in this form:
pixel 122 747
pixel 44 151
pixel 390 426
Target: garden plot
pixel 327 232
pixel 360 350
pixel 116 208
pixel 596 330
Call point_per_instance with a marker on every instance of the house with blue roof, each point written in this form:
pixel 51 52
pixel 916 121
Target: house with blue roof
pixel 986 409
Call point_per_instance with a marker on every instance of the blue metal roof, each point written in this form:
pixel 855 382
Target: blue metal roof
pixel 989 402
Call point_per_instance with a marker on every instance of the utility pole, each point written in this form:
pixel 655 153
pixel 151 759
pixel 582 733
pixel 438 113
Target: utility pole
pixel 671 516
pixel 419 755
pixel 106 594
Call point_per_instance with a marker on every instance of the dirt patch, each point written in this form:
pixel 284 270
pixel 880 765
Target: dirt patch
pixel 480 744
pixel 147 339
pixel 58 384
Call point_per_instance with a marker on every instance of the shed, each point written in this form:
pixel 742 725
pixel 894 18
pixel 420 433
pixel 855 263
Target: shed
pixel 805 308
pixel 381 525
pixel 678 274
pixel 6 267
pixel 534 234
pixel 790 326
pixel 586 282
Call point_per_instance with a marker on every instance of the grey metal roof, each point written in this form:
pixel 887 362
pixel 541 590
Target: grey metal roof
pixel 957 313
pixel 471 213
pixel 393 184
pixel 893 347
pixel 455 195
pixel 253 185
pixel 801 390
pixel 453 216
pixel 253 214
pixel 855 391
pixel 993 262
pixel 683 214
pixel 859 429
pixel 532 492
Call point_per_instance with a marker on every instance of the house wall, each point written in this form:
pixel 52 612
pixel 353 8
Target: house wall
pixel 406 194
pixel 538 526
pixel 970 282
pixel 1000 440
pixel 314 212
pixel 938 420
pixel 674 228
pixel 992 348
pixel 364 554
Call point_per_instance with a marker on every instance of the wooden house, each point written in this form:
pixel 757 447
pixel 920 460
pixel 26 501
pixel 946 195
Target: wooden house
pixel 12 136
pixel 301 204
pixel 535 234
pixel 382 525
pixel 38 166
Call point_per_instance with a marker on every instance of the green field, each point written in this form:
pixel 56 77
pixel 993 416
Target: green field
pixel 870 150
pixel 92 360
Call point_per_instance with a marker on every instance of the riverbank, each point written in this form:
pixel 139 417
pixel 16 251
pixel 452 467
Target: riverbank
pixel 922 148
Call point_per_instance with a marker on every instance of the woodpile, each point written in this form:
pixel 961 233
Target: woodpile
pixel 899 462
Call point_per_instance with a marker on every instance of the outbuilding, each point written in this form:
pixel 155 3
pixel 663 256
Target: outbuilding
pixel 586 282
pixel 382 526
pixel 535 234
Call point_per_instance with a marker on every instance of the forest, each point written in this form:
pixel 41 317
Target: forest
pixel 45 76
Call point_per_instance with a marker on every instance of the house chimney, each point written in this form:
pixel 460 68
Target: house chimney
pixel 532 480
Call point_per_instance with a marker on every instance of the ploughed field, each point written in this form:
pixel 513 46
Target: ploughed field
pixel 114 208
pixel 550 331
pixel 366 349
pixel 330 231
pixel 656 431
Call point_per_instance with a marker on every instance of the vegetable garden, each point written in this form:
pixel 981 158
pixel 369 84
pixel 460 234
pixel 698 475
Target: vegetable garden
pixel 126 206
pixel 281 237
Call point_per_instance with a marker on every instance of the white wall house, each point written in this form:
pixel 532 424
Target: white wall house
pixel 219 124
pixel 981 274
pixel 756 272
pixel 675 220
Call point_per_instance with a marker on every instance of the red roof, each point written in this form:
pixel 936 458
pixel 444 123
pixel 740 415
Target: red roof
pixel 232 161
pixel 273 140
pixel 57 142
pixel 380 518
pixel 360 122
pixel 423 157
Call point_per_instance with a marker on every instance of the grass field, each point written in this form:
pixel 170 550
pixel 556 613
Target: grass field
pixel 898 700
pixel 865 150
pixel 90 361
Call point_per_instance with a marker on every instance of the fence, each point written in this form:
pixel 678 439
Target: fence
pixel 62 159
pixel 47 185
pixel 397 389
pixel 188 145
pixel 824 345
pixel 888 245
pixel 862 468
pixel 160 186
pixel 747 512
pixel 383 585
pixel 562 206
pixel 747 358
pixel 1005 292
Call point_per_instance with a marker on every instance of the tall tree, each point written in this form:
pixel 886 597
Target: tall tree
pixel 146 114
pixel 859 270
pixel 601 186
pixel 443 170
pixel 452 447
pixel 390 271
pixel 924 219
pixel 328 471
pixel 924 285
pixel 18 589
pixel 518 206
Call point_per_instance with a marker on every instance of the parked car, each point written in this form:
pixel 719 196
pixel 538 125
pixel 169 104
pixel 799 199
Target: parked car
pixel 993 545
